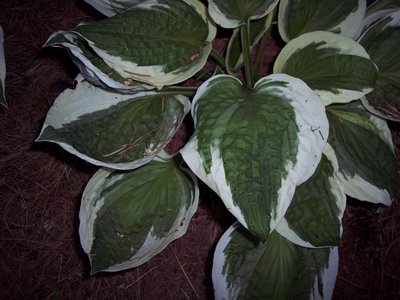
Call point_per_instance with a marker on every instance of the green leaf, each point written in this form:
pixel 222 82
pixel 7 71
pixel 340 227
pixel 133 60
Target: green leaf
pixel 230 14
pixel 364 150
pixel 113 130
pixel 158 42
pixel 381 39
pixel 234 55
pixel 297 17
pixel 337 68
pixel 2 70
pixel 314 216
pixel 379 5
pixel 91 66
pixel 128 217
pixel 111 7
pixel 253 147
pixel 244 268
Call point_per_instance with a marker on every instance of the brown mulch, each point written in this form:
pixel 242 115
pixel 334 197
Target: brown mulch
pixel 41 185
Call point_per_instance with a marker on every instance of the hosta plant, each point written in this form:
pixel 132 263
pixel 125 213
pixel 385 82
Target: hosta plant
pixel 281 150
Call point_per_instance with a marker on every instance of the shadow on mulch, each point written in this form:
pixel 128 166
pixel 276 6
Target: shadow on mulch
pixel 41 185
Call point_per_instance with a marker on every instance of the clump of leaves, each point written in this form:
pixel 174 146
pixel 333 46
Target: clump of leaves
pixel 282 150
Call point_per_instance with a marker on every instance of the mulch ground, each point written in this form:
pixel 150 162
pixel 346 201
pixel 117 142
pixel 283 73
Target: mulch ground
pixel 41 185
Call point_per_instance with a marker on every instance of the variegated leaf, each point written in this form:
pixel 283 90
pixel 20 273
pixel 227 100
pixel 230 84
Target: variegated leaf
pixel 118 131
pixel 314 216
pixel 337 68
pixel 234 55
pixel 2 70
pixel 364 150
pixel 253 147
pixel 244 268
pixel 111 7
pixel 91 66
pixel 297 17
pixel 230 14
pixel 128 217
pixel 381 39
pixel 158 42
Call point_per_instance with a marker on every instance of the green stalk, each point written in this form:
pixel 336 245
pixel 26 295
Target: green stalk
pixel 178 90
pixel 248 67
pixel 218 59
pixel 260 51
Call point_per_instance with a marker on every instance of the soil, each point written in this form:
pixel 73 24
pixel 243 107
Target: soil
pixel 41 185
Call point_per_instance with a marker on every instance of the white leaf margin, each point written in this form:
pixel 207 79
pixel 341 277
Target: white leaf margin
pixel 314 128
pixel 226 22
pixel 337 189
pixel 356 186
pixel 154 75
pixel 85 99
pixel 220 282
pixel 347 27
pixel 152 245
pixel 88 69
pixel 341 44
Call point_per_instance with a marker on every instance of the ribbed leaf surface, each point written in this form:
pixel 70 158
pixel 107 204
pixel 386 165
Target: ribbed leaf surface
pixel 301 16
pixel 113 130
pixel 128 217
pixel 277 269
pixel 157 42
pixel 337 68
pixel 230 14
pixel 253 147
pixel 364 151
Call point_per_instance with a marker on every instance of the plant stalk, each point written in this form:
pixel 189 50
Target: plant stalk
pixel 218 59
pixel 248 67
pixel 178 90
pixel 260 51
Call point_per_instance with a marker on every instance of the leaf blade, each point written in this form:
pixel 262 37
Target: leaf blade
pixel 117 207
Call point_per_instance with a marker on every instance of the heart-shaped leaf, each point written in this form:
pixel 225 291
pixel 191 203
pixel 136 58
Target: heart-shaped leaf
pixel 381 40
pixel 234 53
pixel 244 268
pixel 113 130
pixel 314 216
pixel 159 42
pixel 254 146
pixel 111 7
pixel 230 14
pixel 301 16
pixel 364 150
pixel 2 70
pixel 128 217
pixel 337 68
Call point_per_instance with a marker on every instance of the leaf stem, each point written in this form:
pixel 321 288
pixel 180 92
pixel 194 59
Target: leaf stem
pixel 260 51
pixel 178 90
pixel 248 67
pixel 217 58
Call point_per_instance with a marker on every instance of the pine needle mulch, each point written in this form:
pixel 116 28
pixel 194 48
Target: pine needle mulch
pixel 41 185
